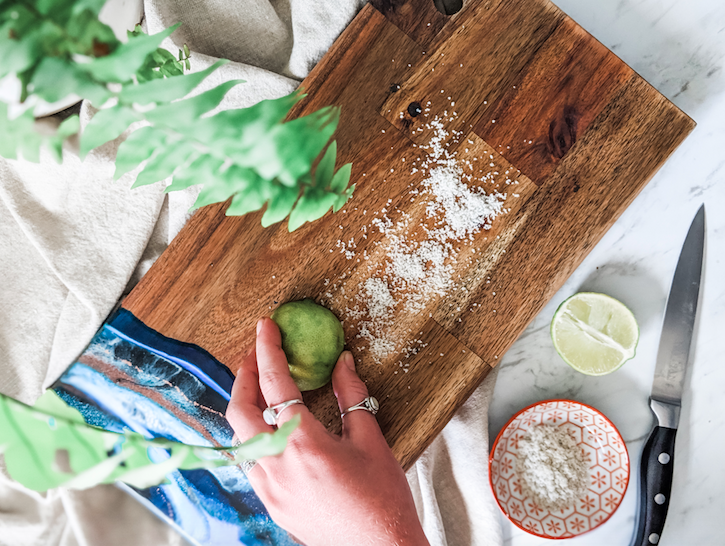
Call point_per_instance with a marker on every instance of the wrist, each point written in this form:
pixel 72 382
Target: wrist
pixel 411 535
pixel 417 540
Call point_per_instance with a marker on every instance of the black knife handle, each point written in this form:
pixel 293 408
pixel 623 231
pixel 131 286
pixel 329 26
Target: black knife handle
pixel 655 485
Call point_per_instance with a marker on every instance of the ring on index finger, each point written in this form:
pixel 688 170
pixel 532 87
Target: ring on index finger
pixel 272 413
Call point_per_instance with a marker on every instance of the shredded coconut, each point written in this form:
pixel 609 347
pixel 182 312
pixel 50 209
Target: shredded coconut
pixel 551 467
pixel 380 302
pixel 419 257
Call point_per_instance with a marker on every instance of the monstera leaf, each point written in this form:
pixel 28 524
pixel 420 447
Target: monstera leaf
pixel 49 445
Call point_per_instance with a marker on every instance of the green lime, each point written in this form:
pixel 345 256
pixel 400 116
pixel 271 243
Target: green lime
pixel 312 339
pixel 594 333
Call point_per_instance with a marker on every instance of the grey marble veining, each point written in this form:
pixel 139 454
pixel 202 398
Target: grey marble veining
pixel 679 47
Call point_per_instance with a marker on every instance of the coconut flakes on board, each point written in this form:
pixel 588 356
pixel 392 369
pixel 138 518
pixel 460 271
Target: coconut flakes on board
pixel 414 271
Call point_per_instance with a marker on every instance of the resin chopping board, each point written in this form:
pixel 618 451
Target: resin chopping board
pixel 556 122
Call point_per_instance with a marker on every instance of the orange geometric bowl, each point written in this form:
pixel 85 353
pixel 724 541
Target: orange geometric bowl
pixel 603 449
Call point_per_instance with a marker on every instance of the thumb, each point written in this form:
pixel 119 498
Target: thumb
pixel 350 390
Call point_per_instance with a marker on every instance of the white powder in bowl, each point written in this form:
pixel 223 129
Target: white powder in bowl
pixel 551 467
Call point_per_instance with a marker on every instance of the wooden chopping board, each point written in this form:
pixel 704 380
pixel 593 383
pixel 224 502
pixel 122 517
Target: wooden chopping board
pixel 576 131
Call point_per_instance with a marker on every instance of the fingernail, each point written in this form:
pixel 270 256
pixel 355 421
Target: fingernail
pixel 348 360
pixel 260 322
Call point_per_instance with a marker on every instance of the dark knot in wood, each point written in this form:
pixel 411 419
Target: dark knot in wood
pixel 386 6
pixel 448 7
pixel 562 132
pixel 415 109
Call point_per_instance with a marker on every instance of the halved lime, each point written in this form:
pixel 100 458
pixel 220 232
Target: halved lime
pixel 594 333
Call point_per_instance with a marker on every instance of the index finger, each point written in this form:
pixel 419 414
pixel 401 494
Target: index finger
pixel 244 411
pixel 275 380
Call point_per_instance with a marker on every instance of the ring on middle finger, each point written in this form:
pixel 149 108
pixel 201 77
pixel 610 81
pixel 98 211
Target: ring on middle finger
pixel 369 404
pixel 272 413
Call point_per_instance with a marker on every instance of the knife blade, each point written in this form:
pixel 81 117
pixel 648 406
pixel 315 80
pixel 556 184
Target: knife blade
pixel 658 454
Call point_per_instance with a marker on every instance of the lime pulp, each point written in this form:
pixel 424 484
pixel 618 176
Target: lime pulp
pixel 594 333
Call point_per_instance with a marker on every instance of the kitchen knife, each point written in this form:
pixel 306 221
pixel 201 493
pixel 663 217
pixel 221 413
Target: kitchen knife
pixel 658 455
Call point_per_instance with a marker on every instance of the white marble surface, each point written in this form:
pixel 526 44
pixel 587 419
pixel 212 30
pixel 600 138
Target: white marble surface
pixel 679 47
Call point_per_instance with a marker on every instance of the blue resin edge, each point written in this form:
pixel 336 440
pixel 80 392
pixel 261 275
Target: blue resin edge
pixel 132 377
pixel 190 357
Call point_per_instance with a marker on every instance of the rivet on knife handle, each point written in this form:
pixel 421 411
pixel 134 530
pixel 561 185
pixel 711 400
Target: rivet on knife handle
pixel 658 459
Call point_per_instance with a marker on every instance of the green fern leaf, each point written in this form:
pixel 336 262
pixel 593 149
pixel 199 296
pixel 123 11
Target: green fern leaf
pixel 200 169
pixel 184 113
pixel 326 166
pixel 341 178
pixel 49 445
pixel 248 200
pixel 88 36
pixel 105 126
pixel 234 133
pixel 138 147
pixel 55 79
pixel 251 155
pixel 343 198
pixel 280 204
pixel 70 126
pixel 20 135
pixel 125 61
pixel 13 133
pixel 64 12
pixel 313 204
pixel 18 55
pixel 233 180
pixel 166 90
pixel 281 154
pixel 162 164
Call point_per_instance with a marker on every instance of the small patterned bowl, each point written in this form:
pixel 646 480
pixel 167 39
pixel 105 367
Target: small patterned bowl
pixel 603 449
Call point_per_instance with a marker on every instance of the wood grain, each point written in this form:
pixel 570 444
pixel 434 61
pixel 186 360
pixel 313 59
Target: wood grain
pixel 553 100
pixel 419 20
pixel 598 133
pixel 428 389
pixel 572 210
pixel 463 72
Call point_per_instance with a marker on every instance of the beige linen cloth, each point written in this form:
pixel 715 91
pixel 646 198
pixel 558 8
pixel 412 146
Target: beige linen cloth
pixel 72 242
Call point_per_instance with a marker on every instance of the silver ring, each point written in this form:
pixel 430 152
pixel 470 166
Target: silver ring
pixel 271 414
pixel 247 465
pixel 368 404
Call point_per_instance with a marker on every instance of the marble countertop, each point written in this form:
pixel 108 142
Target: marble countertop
pixel 679 47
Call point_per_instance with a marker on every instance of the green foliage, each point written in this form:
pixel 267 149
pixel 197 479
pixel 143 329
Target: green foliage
pixel 20 135
pixel 161 63
pixel 159 91
pixel 59 47
pixel 328 190
pixel 122 64
pixel 49 445
pixel 251 156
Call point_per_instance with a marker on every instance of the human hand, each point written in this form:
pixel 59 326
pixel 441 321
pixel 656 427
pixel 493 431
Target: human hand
pixel 324 489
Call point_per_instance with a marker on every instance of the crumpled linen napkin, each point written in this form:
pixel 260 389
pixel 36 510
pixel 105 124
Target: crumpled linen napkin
pixel 73 242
